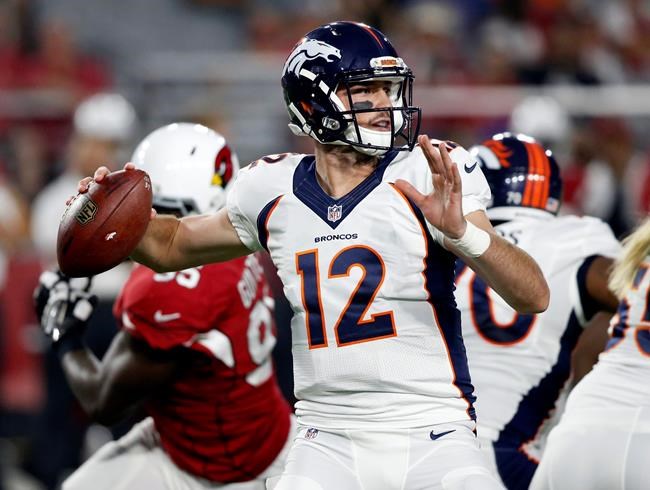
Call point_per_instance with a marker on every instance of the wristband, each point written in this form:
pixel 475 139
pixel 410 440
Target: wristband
pixel 72 341
pixel 473 243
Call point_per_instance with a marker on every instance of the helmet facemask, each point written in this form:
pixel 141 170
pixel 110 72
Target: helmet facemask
pixel 404 119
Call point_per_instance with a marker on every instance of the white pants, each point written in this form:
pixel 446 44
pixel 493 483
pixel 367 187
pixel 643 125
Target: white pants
pixel 599 450
pixel 136 461
pixel 404 459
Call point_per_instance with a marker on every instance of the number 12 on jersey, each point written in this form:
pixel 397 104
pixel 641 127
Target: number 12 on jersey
pixel 352 325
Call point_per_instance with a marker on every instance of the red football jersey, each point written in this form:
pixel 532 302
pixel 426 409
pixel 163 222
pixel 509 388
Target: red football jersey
pixel 223 418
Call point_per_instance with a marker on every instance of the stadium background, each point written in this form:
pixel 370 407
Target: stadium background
pixel 575 72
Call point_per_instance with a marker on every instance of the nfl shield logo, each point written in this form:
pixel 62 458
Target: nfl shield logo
pixel 334 213
pixel 311 433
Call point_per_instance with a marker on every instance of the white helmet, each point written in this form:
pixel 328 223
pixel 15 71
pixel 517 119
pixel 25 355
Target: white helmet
pixel 191 167
pixel 541 117
pixel 105 116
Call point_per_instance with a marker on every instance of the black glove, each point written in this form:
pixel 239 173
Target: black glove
pixel 63 305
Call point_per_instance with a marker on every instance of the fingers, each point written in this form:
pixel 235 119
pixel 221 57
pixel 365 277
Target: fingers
pixel 100 173
pixel 410 192
pixel 447 161
pixel 84 184
pixel 433 156
pixel 457 180
pixel 154 213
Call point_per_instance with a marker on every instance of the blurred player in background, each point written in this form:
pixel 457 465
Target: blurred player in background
pixel 520 363
pixel 194 348
pixel 367 262
pixel 603 438
pixel 103 126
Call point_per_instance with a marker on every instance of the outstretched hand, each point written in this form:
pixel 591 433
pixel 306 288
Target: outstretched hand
pixel 443 206
pixel 99 175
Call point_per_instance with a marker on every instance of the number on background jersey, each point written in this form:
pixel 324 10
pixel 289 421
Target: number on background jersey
pixel 626 315
pixel 188 278
pixel 483 319
pixel 261 340
pixel 352 325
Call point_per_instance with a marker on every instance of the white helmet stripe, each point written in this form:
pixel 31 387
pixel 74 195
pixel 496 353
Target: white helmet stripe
pixel 307 74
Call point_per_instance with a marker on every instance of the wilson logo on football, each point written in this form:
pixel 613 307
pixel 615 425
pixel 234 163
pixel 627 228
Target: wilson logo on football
pixel 87 213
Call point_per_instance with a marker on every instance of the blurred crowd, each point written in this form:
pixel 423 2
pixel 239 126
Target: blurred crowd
pixel 64 110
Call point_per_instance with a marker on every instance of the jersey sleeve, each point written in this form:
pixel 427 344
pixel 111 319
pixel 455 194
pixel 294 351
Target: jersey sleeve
pixel 591 240
pixel 241 207
pixel 476 191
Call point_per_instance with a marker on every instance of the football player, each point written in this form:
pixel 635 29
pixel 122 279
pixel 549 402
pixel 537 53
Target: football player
pixel 521 362
pixel 603 438
pixel 194 348
pixel 365 234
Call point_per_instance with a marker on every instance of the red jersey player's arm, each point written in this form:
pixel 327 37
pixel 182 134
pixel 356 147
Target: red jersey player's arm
pixel 129 372
pixel 172 244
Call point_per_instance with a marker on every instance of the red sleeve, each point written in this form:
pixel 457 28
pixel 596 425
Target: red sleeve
pixel 169 310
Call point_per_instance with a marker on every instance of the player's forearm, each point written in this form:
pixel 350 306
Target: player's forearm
pixel 87 381
pixel 172 244
pixel 156 246
pixel 513 274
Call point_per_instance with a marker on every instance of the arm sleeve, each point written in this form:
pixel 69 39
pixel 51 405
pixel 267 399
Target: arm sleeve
pixel 476 191
pixel 241 209
pixel 597 240
pixel 165 314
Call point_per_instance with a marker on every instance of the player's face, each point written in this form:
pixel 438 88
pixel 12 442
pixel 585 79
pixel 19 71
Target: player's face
pixel 369 95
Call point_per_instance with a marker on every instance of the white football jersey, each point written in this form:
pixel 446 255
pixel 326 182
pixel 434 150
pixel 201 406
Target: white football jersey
pixel 620 377
pixel 376 333
pixel 520 363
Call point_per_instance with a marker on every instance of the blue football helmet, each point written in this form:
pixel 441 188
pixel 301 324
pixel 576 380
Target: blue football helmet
pixel 522 175
pixel 339 55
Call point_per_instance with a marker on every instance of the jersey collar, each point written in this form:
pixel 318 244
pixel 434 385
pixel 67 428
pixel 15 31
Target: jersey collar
pixel 333 211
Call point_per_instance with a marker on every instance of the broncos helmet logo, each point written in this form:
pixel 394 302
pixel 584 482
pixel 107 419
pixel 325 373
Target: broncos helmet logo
pixel 493 155
pixel 308 50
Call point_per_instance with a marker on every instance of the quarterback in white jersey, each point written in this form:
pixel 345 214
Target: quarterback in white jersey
pixel 520 363
pixel 364 234
pixel 603 438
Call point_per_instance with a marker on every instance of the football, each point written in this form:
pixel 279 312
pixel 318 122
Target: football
pixel 101 227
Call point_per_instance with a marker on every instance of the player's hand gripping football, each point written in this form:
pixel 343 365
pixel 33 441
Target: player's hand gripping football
pixel 99 175
pixel 63 305
pixel 442 207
